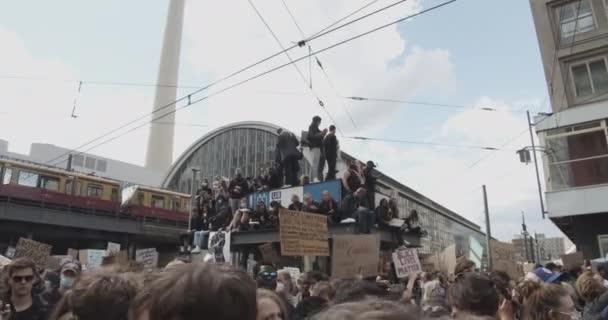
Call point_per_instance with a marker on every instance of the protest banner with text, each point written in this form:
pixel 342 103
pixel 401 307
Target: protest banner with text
pixel 406 262
pixel 303 234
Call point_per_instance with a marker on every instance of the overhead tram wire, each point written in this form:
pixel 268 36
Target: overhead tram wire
pixel 98 82
pixel 191 102
pixel 308 84
pixel 430 104
pixel 346 17
pixel 316 36
pixel 321 65
pixel 425 143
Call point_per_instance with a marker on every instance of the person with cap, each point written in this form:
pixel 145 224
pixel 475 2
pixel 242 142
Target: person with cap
pixel 330 152
pixel 288 155
pixel 315 141
pixel 370 182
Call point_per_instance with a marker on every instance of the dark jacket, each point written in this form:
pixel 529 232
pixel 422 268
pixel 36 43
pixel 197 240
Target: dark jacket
pixel 330 146
pixel 197 222
pixel 296 206
pixel 37 311
pixel 315 136
pixel 313 208
pixel 287 146
pixel 309 306
pixel 594 308
pixel 384 215
pixel 349 205
pixel 326 208
pixel 241 182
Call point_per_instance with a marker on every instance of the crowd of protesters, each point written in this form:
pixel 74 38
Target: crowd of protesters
pixel 223 204
pixel 184 290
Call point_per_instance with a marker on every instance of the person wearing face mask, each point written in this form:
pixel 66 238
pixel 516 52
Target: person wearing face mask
pixel 70 271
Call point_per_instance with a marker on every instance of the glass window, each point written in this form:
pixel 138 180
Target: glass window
pixel 89 163
pixel 102 165
pixel 575 18
pixel 158 201
pixel 76 191
pixel 95 191
pixel 578 156
pixel 49 183
pixel 114 195
pixel 140 198
pixel 27 178
pixel 603 244
pixel 590 77
pixel 78 160
pixel 8 173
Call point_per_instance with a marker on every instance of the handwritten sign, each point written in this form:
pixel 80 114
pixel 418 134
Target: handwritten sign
pixel 354 255
pixel 91 259
pixel 147 257
pixel 303 234
pixel 113 247
pixel 219 247
pixel 503 258
pixel 37 251
pixel 269 253
pixel 406 261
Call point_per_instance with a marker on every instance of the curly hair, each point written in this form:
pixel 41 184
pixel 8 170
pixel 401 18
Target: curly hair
pixel 545 298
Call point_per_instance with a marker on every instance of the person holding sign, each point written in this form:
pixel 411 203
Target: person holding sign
pixel 20 301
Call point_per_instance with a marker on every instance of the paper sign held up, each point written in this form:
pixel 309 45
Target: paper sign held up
pixel 354 255
pixel 113 247
pixel 406 261
pixel 37 251
pixel 148 257
pixel 91 258
pixel 303 234
pixel 572 260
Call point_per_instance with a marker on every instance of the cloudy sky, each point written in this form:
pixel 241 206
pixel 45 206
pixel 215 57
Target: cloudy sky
pixel 474 53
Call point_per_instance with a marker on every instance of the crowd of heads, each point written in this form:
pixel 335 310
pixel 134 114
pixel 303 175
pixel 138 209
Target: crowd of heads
pixel 183 291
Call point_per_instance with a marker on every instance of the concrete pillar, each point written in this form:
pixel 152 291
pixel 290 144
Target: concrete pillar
pixel 159 154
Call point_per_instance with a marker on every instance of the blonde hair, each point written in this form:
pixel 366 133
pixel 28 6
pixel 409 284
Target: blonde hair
pixel 588 287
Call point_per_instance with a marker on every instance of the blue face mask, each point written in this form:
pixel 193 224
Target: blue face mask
pixel 66 282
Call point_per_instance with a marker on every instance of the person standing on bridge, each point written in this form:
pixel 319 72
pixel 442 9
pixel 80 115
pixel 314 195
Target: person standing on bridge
pixel 315 140
pixel 330 152
pixel 288 155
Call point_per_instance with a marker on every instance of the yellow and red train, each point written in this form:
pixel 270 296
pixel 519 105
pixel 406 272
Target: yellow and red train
pixel 33 182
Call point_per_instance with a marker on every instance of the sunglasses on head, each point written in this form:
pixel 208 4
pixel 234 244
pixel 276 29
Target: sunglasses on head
pixel 267 275
pixel 21 279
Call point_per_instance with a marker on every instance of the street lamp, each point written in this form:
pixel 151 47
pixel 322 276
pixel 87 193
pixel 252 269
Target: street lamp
pixel 524 157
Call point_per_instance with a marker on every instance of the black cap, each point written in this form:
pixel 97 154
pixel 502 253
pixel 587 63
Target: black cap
pixel 371 164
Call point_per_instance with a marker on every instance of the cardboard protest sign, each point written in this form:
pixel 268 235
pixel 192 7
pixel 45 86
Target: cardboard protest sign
pixel 73 253
pixel 354 255
pixel 10 252
pixel 54 262
pixel 147 257
pixel 293 272
pixel 219 247
pixel 303 234
pixel 503 258
pixel 4 261
pixel 37 251
pixel 91 259
pixel 269 253
pixel 113 247
pixel 572 260
pixel 406 261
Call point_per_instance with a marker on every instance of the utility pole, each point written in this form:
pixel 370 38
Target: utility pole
pixel 192 196
pixel 524 233
pixel 540 190
pixel 488 230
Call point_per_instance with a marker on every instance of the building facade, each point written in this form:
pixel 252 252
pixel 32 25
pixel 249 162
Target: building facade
pixel 550 248
pixel 250 147
pixel 573 41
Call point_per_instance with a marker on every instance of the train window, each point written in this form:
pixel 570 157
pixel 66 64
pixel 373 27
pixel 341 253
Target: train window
pixel 158 201
pixel 8 173
pixel 114 195
pixel 176 204
pixel 28 178
pixel 49 183
pixel 140 198
pixel 95 190
pixel 70 189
